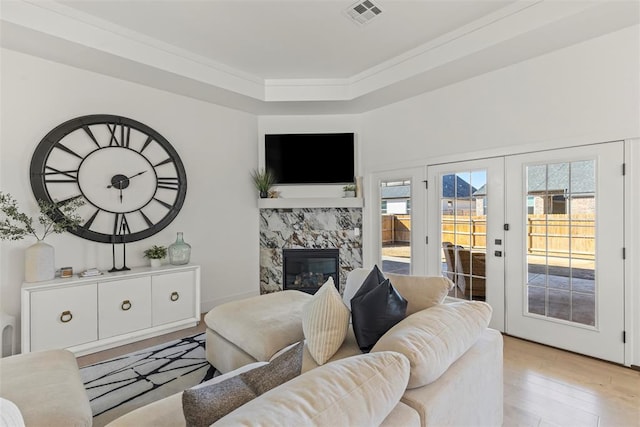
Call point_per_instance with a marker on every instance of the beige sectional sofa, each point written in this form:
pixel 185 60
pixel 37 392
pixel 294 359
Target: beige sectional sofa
pixel 439 366
pixel 43 388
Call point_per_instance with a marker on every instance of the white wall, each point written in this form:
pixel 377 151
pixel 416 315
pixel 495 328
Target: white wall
pixel 216 144
pixel 586 93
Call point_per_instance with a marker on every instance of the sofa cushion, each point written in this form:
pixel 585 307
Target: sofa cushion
pixel 355 278
pixel 374 310
pixel 260 325
pixel 434 338
pixel 46 387
pixel 203 405
pixel 421 291
pixel 325 321
pixel 357 391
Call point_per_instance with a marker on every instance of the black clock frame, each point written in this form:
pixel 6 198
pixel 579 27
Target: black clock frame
pixel 50 142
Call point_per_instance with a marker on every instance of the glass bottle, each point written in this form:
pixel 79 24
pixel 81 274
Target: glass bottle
pixel 179 251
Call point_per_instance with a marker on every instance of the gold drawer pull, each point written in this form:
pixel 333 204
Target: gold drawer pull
pixel 175 296
pixel 126 305
pixel 66 316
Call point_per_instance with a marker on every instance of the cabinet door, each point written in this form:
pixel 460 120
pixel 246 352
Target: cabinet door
pixel 124 306
pixel 63 317
pixel 173 297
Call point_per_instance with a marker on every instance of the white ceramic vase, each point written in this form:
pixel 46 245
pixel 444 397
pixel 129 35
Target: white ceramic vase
pixel 39 262
pixel 155 262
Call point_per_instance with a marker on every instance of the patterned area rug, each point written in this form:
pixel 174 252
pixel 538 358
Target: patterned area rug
pixel 122 384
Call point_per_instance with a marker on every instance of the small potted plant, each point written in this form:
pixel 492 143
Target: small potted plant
pixel 156 254
pixel 263 180
pixel 349 190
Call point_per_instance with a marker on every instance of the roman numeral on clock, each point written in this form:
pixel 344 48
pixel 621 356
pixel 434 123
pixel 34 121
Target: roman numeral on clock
pixel 56 175
pixel 87 224
pixel 169 183
pixel 164 162
pixel 120 225
pixel 66 149
pixel 124 134
pixel 146 219
pixel 93 138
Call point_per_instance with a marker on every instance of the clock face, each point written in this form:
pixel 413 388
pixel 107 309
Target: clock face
pixel 130 178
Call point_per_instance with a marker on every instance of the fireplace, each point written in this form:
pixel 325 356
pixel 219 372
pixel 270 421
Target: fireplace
pixel 308 269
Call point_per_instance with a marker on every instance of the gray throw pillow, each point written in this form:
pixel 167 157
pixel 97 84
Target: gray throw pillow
pixel 280 370
pixel 205 405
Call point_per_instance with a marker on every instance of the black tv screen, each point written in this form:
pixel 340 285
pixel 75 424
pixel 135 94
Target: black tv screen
pixel 311 158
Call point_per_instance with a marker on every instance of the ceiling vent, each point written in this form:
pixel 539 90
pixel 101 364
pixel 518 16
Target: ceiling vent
pixel 363 11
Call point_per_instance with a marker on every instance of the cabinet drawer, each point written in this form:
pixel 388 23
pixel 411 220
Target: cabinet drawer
pixel 173 297
pixel 63 317
pixel 124 306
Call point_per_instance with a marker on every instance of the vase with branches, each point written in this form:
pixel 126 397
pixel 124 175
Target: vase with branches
pixel 53 218
pixel 16 225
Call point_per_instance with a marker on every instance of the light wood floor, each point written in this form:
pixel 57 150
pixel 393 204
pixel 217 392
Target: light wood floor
pixel 543 386
pixel 90 359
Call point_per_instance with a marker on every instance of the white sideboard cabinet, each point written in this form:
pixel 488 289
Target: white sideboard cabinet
pixel 89 314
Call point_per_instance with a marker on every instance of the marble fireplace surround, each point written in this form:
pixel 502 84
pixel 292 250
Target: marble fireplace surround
pixel 308 228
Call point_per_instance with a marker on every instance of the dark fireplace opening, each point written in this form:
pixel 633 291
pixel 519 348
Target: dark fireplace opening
pixel 308 269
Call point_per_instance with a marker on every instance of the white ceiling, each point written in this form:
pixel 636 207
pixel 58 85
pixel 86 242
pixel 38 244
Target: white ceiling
pixel 290 39
pixel 301 56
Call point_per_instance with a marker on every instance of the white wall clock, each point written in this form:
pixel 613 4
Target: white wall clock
pixel 130 177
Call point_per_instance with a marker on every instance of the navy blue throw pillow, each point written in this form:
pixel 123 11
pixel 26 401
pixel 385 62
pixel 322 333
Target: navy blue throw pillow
pixel 375 310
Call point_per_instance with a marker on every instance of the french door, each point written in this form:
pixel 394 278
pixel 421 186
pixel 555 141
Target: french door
pixel 465 230
pixel 564 249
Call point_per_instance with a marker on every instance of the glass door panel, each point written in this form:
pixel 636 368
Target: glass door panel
pixel 395 221
pixel 463 219
pixel 561 217
pixel 465 230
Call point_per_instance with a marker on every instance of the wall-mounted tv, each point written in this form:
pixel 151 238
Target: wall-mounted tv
pixel 310 158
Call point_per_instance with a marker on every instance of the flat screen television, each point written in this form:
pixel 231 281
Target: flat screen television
pixel 310 158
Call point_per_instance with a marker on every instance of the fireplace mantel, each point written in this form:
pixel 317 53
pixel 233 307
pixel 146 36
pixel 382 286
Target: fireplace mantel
pixel 311 202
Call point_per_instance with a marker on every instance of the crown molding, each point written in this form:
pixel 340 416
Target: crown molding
pixel 59 33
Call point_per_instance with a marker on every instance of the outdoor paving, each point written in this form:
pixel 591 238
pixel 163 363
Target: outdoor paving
pixel 555 294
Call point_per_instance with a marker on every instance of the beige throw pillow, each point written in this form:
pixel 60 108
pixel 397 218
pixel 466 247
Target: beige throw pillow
pixel 325 322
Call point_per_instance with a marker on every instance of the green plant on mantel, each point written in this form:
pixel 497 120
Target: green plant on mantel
pixel 349 187
pixel 263 180
pixel 156 252
pixel 16 225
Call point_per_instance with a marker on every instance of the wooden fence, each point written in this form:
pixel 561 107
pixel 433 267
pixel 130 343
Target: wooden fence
pixel 467 231
pixel 396 229
pixel 555 234
pixel 560 235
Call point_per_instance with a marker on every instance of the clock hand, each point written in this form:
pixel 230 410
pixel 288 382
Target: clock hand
pixel 124 179
pixel 139 173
